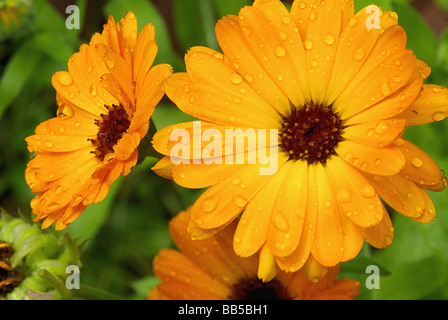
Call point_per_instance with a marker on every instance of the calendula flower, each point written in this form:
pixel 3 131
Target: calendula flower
pixel 105 103
pixel 33 262
pixel 209 269
pixel 340 95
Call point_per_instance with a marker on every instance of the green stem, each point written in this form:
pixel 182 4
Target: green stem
pixel 145 149
pixel 90 293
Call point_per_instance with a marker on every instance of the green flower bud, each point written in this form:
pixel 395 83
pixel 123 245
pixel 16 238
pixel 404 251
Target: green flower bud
pixel 16 17
pixel 33 262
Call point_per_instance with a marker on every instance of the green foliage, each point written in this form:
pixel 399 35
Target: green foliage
pixel 123 233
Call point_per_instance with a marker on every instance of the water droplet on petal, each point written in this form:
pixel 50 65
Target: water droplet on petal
pixel 209 204
pixel 236 78
pixel 280 51
pixel 65 78
pixel 368 191
pixel 382 127
pixel 280 222
pixel 359 54
pixel 239 201
pixel 417 162
pixel 438 116
pixel 65 111
pixel 329 39
pixel 309 44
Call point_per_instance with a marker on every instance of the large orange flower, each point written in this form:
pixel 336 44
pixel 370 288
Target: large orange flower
pixel 340 96
pixel 105 103
pixel 209 269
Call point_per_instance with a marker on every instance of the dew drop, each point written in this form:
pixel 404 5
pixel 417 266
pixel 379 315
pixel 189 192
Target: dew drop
pixel 236 78
pixel 329 39
pixel 309 44
pixel 368 191
pixel 110 64
pixel 48 144
pixel 417 162
pixel 59 190
pixel 65 78
pixel 280 222
pixel 65 111
pixel 209 204
pixel 382 127
pixel 239 201
pixel 438 116
pixel 359 54
pixel 344 196
pixel 280 51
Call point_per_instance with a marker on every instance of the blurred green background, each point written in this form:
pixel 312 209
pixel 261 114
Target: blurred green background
pixel 125 232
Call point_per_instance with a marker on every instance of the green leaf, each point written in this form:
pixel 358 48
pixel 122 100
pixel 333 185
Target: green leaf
pixel 359 264
pixel 413 281
pixel 17 72
pixel 230 6
pixel 421 38
pixel 188 24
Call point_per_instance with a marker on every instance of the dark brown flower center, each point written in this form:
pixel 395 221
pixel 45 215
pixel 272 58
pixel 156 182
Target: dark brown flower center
pixel 255 289
pixel 111 128
pixel 9 277
pixel 311 133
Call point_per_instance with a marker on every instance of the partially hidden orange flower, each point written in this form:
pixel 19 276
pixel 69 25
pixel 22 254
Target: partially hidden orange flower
pixel 105 103
pixel 340 96
pixel 209 269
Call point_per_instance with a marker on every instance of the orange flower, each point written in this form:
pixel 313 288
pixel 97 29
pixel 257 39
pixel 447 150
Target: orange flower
pixel 209 269
pixel 105 103
pixel 340 96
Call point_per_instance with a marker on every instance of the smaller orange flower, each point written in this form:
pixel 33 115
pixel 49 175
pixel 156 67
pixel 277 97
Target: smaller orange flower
pixel 105 99
pixel 209 269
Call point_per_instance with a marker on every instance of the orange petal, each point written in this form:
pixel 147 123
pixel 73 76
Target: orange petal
pixel 430 106
pixel 119 69
pixel 290 210
pixel 381 235
pixel 376 134
pixel 199 63
pixel 215 105
pixel 234 45
pixel 351 55
pixel 287 30
pixel 222 202
pixel 401 194
pixel 268 48
pixel 328 240
pixel 297 259
pixel 129 29
pixel 322 35
pixel 354 194
pixel 384 161
pixel 149 96
pixel 420 167
pixel 253 226
pixel 391 106
pixel 367 89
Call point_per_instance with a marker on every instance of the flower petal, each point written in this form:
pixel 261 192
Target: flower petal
pixel 222 202
pixel 287 221
pixel 234 45
pixel 376 134
pixel 384 161
pixel 430 106
pixel 420 167
pixel 253 226
pixel 354 194
pixel 299 257
pixel 328 240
